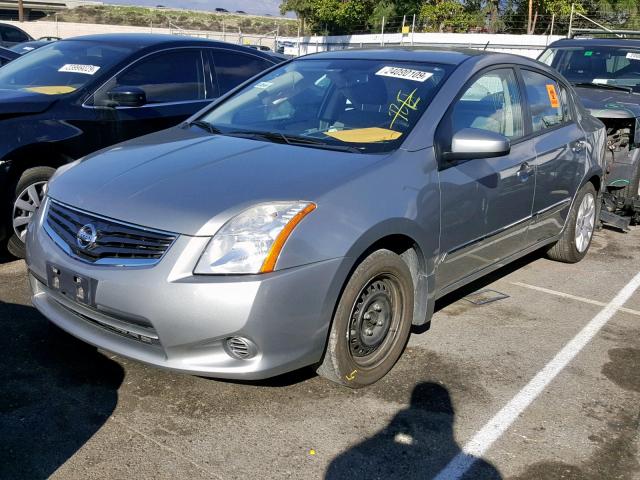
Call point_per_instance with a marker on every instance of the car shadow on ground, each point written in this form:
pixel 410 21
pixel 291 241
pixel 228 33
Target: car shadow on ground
pixel 417 444
pixel 56 393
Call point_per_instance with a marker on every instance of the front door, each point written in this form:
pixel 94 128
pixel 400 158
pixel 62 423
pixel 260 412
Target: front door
pixel 486 203
pixel 177 83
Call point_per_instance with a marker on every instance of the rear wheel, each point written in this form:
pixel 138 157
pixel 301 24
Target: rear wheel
pixel 372 322
pixel 578 233
pixel 29 194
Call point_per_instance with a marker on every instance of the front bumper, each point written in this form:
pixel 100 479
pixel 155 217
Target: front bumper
pixel 165 316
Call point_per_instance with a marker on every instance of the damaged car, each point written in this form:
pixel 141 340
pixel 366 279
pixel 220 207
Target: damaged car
pixel 606 75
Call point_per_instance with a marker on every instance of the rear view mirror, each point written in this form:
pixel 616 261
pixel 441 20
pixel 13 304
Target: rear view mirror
pixel 470 143
pixel 127 97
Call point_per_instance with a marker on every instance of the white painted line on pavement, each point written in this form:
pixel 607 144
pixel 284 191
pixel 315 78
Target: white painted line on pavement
pixel 494 428
pixel 572 297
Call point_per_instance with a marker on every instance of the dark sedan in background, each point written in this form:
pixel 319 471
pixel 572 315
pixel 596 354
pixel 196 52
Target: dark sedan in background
pixel 72 97
pixel 11 35
pixel 606 75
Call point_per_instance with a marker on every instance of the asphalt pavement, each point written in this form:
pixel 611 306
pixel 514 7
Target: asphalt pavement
pixel 70 411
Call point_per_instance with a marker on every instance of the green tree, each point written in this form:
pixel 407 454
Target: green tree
pixel 445 15
pixel 302 8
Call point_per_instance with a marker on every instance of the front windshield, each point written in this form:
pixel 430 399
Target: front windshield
pixel 370 105
pixel 617 66
pixel 61 67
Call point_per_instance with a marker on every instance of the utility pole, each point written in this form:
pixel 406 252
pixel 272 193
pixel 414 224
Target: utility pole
pixel 569 35
pixel 413 28
pixel 382 33
pixel 20 11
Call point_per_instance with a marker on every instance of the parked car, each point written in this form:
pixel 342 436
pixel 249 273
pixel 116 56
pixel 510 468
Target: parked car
pixel 75 96
pixel 27 47
pixel 7 55
pixel 11 35
pixel 606 75
pixel 314 214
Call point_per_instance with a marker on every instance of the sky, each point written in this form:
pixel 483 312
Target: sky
pixel 257 7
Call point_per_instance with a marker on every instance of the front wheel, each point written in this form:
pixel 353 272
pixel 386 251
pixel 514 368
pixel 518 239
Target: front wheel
pixel 578 233
pixel 372 322
pixel 29 194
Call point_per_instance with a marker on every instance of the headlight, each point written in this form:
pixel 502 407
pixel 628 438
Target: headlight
pixel 252 241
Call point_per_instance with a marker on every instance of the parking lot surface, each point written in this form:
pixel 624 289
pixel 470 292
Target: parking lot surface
pixel 70 411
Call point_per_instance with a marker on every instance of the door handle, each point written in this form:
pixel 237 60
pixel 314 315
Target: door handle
pixel 577 146
pixel 524 172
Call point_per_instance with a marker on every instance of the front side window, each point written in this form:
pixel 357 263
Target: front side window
pixel 61 67
pixel 597 64
pixel 13 35
pixel 174 76
pixel 491 103
pixel 233 68
pixel 371 105
pixel 547 102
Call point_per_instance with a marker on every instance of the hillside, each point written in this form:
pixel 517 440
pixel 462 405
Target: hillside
pixel 182 19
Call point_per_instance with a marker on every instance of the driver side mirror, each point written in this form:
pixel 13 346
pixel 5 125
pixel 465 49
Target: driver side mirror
pixel 470 143
pixel 127 97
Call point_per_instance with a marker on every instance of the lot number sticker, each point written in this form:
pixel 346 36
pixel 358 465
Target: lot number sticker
pixel 553 95
pixel 76 68
pixel 633 55
pixel 404 73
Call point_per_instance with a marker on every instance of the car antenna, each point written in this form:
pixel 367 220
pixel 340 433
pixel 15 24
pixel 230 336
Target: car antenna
pixel 486 45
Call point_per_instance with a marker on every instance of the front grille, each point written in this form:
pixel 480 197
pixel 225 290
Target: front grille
pixel 113 242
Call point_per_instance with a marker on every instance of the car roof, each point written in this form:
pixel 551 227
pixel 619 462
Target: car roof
pixel 146 40
pixel 452 56
pixel 596 42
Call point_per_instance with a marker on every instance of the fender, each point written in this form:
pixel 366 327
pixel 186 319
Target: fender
pixel 403 233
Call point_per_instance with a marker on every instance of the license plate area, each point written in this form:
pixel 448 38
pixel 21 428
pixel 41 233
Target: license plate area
pixel 77 288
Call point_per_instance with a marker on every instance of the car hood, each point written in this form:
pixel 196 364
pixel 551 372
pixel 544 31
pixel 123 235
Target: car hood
pixel 609 103
pixel 18 102
pixel 189 182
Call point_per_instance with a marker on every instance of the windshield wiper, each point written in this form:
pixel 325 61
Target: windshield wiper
pixel 294 140
pixel 204 125
pixel 604 86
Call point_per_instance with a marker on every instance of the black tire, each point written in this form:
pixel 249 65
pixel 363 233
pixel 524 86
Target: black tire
pixel 632 190
pixel 565 249
pixel 31 176
pixel 362 349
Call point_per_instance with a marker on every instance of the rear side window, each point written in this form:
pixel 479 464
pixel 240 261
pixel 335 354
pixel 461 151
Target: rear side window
pixel 233 68
pixel 175 76
pixel 492 102
pixel 13 35
pixel 548 102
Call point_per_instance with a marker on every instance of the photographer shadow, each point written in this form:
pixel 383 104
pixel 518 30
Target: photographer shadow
pixel 57 392
pixel 417 444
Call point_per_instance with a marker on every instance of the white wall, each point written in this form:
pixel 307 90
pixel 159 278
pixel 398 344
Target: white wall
pixel 526 45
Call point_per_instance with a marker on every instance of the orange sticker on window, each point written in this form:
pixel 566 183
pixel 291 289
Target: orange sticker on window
pixel 553 96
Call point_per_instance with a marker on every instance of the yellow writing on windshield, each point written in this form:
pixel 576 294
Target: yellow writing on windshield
pixel 404 103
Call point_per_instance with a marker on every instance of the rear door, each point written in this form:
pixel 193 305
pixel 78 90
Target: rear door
pixel 233 67
pixel 177 83
pixel 486 202
pixel 560 148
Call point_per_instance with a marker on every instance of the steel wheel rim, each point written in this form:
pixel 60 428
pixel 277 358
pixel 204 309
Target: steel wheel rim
pixel 585 222
pixel 375 321
pixel 26 206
